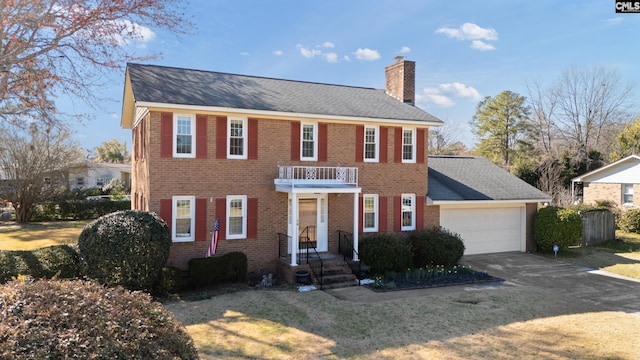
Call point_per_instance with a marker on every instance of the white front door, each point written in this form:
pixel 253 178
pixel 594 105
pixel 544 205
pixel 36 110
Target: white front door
pixel 312 219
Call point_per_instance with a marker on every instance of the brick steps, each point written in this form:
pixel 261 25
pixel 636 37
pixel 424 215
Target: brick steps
pixel 336 274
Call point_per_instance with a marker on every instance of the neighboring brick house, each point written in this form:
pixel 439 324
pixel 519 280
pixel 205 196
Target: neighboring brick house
pixel 617 182
pixel 269 156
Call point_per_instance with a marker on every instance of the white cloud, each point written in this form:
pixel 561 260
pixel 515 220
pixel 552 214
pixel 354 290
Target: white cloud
pixel 367 54
pixel 433 95
pixel 278 53
pixel 469 31
pixel 405 49
pixel 331 57
pixel 614 21
pixel 347 58
pixel 308 53
pixel 461 90
pixel 442 94
pixel 481 45
pixel 244 53
pixel 328 44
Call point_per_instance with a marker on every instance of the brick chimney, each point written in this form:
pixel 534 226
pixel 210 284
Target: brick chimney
pixel 401 80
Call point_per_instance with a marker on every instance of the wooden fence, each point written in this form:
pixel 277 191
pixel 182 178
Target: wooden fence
pixel 597 227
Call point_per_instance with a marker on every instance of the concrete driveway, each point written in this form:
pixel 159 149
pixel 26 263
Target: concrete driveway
pixel 604 290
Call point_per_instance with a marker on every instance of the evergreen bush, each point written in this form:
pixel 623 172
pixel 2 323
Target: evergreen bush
pixel 557 226
pixel 384 253
pixel 436 246
pixel 127 248
pixel 630 221
pixel 61 261
pixel 231 267
pixel 74 319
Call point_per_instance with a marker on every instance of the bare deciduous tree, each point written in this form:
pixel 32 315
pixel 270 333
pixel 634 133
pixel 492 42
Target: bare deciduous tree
pixel 442 141
pixel 53 47
pixel 33 164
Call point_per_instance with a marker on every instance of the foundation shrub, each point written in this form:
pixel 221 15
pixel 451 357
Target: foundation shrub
pixel 61 261
pixel 436 246
pixel 65 319
pixel 384 253
pixel 170 281
pixel 228 268
pixel 127 248
pixel 557 226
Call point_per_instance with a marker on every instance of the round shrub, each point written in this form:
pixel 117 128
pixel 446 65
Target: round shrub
pixel 630 221
pixel 436 246
pixel 384 253
pixel 127 248
pixel 64 319
pixel 557 226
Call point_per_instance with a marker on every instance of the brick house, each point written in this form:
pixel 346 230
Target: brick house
pixel 616 182
pixel 271 156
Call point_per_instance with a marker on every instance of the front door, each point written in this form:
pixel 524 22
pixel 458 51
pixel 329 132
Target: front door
pixel 312 219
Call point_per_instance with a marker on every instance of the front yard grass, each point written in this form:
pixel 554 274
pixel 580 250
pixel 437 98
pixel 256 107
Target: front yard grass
pixel 40 234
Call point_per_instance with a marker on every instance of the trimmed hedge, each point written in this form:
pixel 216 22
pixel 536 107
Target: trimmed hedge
pixel 384 253
pixel 231 267
pixel 62 261
pixel 557 226
pixel 630 221
pixel 77 209
pixel 73 319
pixel 436 246
pixel 127 248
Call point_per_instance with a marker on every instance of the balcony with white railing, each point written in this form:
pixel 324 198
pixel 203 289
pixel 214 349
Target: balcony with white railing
pixel 317 176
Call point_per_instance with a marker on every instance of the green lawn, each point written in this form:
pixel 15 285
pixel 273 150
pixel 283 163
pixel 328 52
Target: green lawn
pixel 36 235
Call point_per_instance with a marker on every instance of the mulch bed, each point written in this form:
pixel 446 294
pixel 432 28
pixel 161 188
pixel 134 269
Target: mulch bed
pixel 409 281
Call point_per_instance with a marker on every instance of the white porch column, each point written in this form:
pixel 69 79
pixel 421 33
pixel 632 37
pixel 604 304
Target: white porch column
pixel 294 223
pixel 355 226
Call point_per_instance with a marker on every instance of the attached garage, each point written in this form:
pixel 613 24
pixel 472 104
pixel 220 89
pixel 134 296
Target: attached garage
pixel 487 229
pixel 491 209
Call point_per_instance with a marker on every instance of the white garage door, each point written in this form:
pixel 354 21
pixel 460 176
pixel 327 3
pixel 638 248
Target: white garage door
pixel 486 230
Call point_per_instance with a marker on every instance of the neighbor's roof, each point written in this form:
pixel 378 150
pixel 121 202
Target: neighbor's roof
pixel 168 85
pixel 468 178
pixel 620 165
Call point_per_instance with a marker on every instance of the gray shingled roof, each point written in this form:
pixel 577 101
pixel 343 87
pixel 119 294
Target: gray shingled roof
pixel 170 85
pixel 465 178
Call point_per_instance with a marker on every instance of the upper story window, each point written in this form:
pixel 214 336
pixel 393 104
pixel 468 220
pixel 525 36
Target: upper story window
pixel 627 194
pixel 408 145
pixel 370 212
pixel 309 143
pixel 183 218
pixel 408 211
pixel 236 217
pixel 237 138
pixel 371 141
pixel 184 139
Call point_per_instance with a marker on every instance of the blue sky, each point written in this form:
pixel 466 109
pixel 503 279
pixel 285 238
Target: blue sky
pixel 464 50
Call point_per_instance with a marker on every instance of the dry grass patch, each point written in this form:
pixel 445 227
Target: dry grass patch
pixel 502 323
pixel 36 235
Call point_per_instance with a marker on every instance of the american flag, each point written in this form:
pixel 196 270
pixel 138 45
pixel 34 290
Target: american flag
pixel 214 239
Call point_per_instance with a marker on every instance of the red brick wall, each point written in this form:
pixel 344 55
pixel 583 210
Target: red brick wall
pixel 211 178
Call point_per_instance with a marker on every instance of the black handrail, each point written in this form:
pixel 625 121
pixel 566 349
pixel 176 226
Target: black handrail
pixel 283 245
pixel 345 248
pixel 317 273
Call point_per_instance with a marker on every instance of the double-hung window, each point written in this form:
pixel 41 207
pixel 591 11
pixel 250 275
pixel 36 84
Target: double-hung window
pixel 184 135
pixel 371 141
pixel 408 145
pixel 184 219
pixel 309 142
pixel 408 212
pixel 236 217
pixel 237 138
pixel 627 194
pixel 370 212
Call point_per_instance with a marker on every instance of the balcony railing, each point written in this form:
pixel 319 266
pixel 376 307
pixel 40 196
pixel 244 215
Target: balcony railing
pixel 291 175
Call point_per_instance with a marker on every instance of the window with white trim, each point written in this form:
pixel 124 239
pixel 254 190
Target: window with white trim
pixel 237 138
pixel 369 212
pixel 308 141
pixel 236 217
pixel 183 219
pixel 627 194
pixel 184 140
pixel 371 141
pixel 408 145
pixel 408 212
